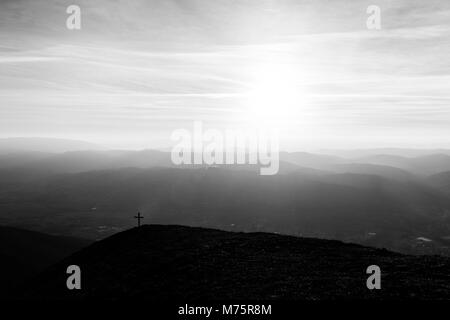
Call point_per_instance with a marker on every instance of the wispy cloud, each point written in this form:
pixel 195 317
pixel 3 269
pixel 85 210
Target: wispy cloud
pixel 145 67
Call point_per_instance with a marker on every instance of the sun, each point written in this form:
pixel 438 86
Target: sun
pixel 276 98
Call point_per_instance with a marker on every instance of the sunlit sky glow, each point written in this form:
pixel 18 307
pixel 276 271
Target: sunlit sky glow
pixel 139 69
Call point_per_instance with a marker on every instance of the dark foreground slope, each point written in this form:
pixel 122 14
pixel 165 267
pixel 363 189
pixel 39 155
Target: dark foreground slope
pixel 24 254
pixel 175 262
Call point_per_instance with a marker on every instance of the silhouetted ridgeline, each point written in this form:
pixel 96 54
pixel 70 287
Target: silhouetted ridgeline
pixel 23 254
pixel 175 262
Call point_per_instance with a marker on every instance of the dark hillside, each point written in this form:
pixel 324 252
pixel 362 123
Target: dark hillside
pixel 175 262
pixel 24 254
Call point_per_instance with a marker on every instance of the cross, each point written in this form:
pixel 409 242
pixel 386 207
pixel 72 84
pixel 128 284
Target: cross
pixel 139 217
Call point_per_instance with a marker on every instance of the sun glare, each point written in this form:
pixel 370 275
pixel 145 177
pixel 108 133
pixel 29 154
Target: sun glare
pixel 276 97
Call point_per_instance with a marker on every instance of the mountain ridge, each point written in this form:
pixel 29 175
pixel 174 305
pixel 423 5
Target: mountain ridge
pixel 24 253
pixel 160 262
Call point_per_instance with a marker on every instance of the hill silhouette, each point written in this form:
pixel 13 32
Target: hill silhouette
pixel 23 254
pixel 160 262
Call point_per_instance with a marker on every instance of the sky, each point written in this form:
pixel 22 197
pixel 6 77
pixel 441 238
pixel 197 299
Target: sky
pixel 138 70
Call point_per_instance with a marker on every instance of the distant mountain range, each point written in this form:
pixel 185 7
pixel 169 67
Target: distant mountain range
pixel 178 263
pixel 441 181
pixel 37 144
pixel 380 200
pixel 92 158
pixel 403 152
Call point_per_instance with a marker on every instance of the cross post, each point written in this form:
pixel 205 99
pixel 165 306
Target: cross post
pixel 139 217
